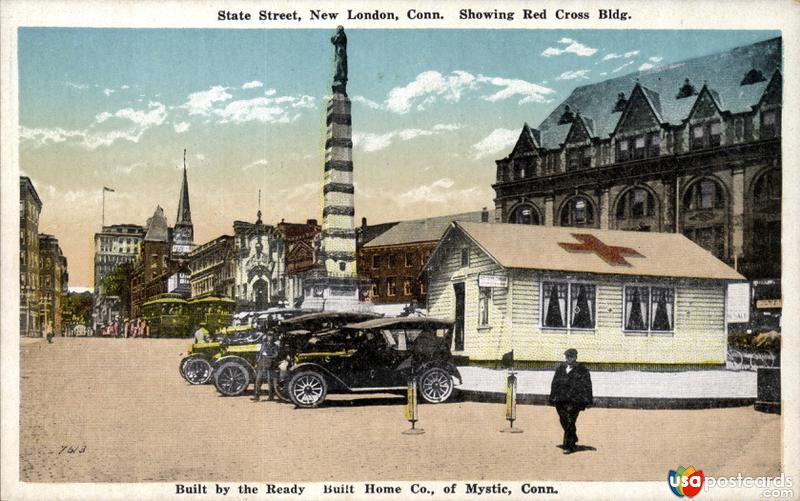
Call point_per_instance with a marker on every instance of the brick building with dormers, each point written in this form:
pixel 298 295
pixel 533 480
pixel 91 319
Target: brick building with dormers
pixel 694 147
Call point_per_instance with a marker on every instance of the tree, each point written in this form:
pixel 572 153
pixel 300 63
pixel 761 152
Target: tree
pixel 76 308
pixel 118 283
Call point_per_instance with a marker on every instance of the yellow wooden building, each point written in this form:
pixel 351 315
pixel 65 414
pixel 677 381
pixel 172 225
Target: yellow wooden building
pixel 621 298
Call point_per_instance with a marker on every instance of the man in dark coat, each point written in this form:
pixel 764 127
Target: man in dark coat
pixel 570 393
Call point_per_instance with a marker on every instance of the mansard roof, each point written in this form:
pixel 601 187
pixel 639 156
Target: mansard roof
pixel 722 73
pixel 420 230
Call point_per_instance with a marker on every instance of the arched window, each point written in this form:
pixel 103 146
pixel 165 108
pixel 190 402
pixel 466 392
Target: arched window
pixel 704 219
pixel 636 203
pixel 578 211
pixel 767 187
pixel 703 194
pixel 524 214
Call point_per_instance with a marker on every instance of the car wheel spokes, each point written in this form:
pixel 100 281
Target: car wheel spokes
pixel 436 386
pixel 308 389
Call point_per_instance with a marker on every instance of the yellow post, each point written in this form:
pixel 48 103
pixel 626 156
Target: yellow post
pixel 511 403
pixel 410 411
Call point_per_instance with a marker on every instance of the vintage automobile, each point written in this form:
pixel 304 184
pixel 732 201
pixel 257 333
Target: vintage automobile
pixel 234 369
pixel 379 355
pixel 197 366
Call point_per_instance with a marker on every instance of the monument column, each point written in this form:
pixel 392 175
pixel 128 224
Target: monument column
pixel 335 283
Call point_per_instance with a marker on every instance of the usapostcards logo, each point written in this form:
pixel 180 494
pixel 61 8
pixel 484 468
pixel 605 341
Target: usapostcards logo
pixel 685 481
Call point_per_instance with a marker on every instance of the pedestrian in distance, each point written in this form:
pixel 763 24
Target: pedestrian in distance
pixel 570 393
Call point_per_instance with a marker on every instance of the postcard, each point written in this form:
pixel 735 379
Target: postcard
pixel 411 250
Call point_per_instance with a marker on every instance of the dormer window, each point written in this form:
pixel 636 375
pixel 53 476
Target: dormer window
pixel 567 117
pixel 687 90
pixel 706 135
pixel 753 76
pixel 623 152
pixel 769 124
pixel 579 158
pixel 621 103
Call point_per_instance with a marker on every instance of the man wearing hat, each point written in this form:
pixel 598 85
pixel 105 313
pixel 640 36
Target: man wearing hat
pixel 201 334
pixel 570 393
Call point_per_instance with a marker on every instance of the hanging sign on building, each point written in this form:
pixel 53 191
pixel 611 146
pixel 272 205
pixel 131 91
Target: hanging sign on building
pixel 737 307
pixel 489 280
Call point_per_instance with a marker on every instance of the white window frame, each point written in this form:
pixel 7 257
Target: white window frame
pixel 648 332
pixel 483 309
pixel 568 312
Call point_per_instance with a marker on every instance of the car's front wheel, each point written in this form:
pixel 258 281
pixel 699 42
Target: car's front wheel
pixel 435 385
pixel 307 389
pixel 231 378
pixel 196 370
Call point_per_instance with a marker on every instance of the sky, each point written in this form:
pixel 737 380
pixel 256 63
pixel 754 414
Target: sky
pixel 432 111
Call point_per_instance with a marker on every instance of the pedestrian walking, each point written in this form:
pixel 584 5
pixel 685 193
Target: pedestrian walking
pixel 264 368
pixel 570 393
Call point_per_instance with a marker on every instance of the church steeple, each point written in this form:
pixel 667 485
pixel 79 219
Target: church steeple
pixel 183 234
pixel 184 211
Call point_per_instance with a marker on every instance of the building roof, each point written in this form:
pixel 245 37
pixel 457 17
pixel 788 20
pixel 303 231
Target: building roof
pixel 723 73
pixel 157 229
pixel 26 184
pixel 552 248
pixel 420 230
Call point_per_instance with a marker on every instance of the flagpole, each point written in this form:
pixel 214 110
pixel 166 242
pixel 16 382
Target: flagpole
pixel 103 223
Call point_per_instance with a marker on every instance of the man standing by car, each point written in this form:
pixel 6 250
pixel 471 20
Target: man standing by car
pixel 201 334
pixel 570 393
pixel 266 356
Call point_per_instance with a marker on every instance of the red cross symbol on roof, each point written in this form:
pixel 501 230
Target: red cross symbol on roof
pixel 609 253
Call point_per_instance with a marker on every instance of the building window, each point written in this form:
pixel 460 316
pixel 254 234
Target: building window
pixel 391 286
pixel 568 305
pixel 465 257
pixel 637 308
pixel 623 153
pixel 391 261
pixel 705 194
pixel 407 290
pixel 711 238
pixel 484 296
pixel 767 188
pixel 524 214
pixel 376 261
pixel 374 290
pixel 636 203
pixel 423 289
pixel 649 309
pixel 409 259
pixel 706 135
pixel 577 212
pixel 579 158
pixel 769 124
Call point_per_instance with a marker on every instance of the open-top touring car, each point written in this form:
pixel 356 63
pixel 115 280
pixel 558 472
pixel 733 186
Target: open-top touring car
pixel 379 355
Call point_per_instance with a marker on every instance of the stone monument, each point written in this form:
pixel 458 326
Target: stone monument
pixel 335 284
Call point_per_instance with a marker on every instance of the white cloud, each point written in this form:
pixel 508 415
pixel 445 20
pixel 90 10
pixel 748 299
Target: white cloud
pixel 440 191
pixel 125 87
pixel 631 54
pixel 78 86
pixel 611 55
pixel 655 59
pixel 497 141
pixel 370 142
pixel 201 103
pixel 200 157
pixel 255 84
pixel 307 191
pixel 646 66
pixel 270 92
pixel 264 109
pixel 528 92
pixel 572 75
pixel 572 47
pixel 427 88
pixel 262 162
pixel 620 68
pixel 108 92
pixel 135 122
pixel 181 127
pixel 366 102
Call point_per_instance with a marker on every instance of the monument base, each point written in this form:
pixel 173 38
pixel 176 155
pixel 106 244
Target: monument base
pixel 327 293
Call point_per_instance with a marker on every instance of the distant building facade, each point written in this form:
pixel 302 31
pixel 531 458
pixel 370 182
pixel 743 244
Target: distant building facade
pixel 393 259
pixel 117 244
pixel 213 268
pixel 54 284
pixel 30 207
pixel 260 257
pixel 692 148
pixel 302 241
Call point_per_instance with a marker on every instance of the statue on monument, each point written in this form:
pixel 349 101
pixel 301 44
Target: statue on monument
pixel 339 41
